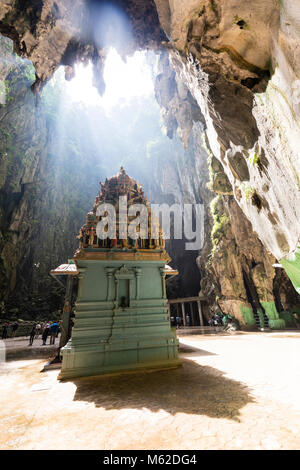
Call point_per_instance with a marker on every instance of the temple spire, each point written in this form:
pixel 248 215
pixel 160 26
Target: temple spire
pixel 110 192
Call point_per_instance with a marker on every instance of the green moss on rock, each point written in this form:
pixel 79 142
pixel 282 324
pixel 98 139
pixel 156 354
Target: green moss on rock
pixel 289 320
pixel 248 316
pixel 261 318
pixel 291 265
pixel 221 221
pixel 275 321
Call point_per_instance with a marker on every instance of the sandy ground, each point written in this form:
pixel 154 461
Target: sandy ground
pixel 232 392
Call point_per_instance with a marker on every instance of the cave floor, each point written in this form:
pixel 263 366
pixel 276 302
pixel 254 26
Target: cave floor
pixel 232 392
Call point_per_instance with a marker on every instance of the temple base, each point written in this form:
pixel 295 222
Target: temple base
pixel 118 370
pixel 121 320
pixel 118 358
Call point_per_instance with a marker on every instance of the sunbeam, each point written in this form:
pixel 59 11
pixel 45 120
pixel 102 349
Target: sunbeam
pixel 124 80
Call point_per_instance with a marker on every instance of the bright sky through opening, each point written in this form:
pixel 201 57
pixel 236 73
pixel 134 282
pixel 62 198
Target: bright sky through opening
pixel 123 80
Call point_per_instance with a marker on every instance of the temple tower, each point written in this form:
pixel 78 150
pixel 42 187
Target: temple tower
pixel 121 315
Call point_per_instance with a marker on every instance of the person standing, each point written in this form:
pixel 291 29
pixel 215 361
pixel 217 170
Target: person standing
pixel 226 319
pixel 32 335
pixel 296 320
pixel 38 330
pixel 14 329
pixel 5 330
pixel 46 332
pixel 71 324
pixel 53 331
pixel 59 328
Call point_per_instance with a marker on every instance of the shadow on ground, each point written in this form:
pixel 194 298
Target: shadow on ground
pixel 192 389
pixel 186 348
pixel 31 353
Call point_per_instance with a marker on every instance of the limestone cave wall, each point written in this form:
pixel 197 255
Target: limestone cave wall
pixel 228 81
pixel 241 64
pixel 237 272
pixel 39 217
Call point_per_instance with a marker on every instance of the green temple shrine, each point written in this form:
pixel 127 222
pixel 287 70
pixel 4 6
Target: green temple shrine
pixel 121 315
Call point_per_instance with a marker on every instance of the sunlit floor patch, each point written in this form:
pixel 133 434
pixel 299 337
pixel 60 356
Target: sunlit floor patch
pixel 228 398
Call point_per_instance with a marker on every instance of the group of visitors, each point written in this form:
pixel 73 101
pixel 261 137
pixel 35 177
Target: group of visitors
pixel 177 321
pixel 224 320
pixel 48 329
pixel 215 320
pixel 14 328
